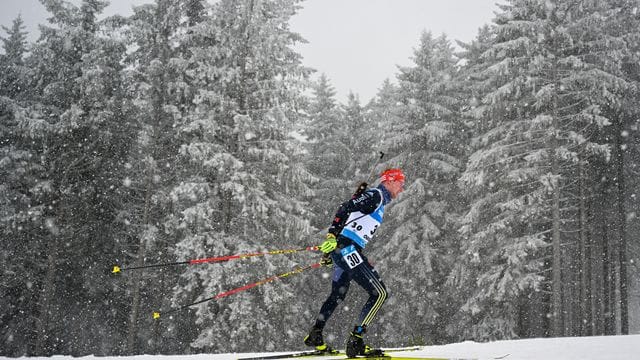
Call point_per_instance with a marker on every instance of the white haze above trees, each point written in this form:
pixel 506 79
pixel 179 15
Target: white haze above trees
pixel 169 135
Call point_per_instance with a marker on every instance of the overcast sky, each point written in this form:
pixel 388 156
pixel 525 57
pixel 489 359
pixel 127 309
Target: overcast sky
pixel 357 43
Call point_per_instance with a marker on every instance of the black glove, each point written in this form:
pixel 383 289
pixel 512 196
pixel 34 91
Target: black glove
pixel 326 260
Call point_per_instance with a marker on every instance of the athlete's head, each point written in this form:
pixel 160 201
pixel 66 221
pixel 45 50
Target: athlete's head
pixel 393 180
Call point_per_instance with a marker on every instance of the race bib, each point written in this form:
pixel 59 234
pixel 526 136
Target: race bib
pixel 351 256
pixel 361 227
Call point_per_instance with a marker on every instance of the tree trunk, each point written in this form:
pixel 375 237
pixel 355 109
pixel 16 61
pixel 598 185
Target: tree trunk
pixel 597 266
pixel 607 283
pixel 137 276
pixel 622 237
pixel 556 288
pixel 585 259
pixel 42 327
pixel 556 280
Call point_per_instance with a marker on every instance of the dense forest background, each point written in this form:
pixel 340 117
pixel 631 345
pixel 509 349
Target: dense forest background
pixel 192 129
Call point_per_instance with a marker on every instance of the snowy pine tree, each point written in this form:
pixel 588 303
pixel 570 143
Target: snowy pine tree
pixel 70 123
pixel 328 156
pixel 241 172
pixel 21 194
pixel 421 222
pixel 541 127
pixel 362 138
pixel 154 83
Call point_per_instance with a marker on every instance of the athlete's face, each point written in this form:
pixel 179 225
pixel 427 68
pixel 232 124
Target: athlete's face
pixel 395 187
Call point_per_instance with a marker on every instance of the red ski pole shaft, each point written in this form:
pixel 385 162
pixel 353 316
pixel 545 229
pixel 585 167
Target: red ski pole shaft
pixel 116 269
pixel 298 270
pixel 243 256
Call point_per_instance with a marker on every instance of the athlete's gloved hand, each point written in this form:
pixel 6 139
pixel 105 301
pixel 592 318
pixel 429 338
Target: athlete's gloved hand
pixel 326 260
pixel 329 244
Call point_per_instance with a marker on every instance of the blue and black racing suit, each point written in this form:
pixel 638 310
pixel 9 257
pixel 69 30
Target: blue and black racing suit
pixel 355 223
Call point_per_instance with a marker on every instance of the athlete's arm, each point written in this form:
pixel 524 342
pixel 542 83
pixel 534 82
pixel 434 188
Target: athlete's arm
pixel 365 203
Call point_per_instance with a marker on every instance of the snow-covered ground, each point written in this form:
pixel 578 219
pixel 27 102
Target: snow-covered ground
pixel 585 348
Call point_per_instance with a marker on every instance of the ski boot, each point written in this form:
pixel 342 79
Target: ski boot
pixel 356 345
pixel 314 338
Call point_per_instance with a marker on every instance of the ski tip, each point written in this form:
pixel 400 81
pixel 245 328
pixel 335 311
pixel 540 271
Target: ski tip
pixel 116 269
pixel 156 315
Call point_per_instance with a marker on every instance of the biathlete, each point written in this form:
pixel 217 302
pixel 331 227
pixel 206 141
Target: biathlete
pixel 354 225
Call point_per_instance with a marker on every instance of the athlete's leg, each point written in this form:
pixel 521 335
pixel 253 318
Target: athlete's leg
pixel 339 289
pixel 366 276
pixel 369 279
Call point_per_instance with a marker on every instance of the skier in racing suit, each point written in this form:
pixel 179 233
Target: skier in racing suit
pixel 354 225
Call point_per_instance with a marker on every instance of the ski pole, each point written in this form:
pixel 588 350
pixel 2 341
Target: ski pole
pixel 363 186
pixel 373 168
pixel 117 269
pixel 298 270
